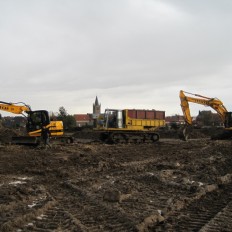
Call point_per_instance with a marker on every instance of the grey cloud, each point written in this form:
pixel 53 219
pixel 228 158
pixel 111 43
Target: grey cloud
pixel 120 50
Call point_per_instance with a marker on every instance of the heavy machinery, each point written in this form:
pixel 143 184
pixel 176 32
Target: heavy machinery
pixel 130 125
pixel 35 121
pixel 214 103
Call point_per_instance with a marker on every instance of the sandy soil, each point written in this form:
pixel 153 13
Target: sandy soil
pixel 171 185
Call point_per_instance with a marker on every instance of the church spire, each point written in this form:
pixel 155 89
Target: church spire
pixel 96 108
pixel 96 102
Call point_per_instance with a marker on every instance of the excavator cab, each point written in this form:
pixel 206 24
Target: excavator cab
pixel 228 120
pixel 37 119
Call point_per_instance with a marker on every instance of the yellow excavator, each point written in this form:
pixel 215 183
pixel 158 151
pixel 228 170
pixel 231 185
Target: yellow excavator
pixel 36 120
pixel 214 103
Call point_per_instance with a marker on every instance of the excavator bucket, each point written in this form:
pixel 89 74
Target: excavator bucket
pixel 184 132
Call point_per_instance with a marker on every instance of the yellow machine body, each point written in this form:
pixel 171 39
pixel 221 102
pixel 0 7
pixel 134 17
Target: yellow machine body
pixel 128 125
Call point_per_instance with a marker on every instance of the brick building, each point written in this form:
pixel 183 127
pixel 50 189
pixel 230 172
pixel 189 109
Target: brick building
pixel 88 119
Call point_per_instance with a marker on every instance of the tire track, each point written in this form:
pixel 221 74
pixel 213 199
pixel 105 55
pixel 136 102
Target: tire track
pixel 201 214
pixel 221 222
pixel 94 214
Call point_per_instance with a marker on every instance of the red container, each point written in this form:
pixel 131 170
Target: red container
pixel 160 115
pixel 141 114
pixel 146 114
pixel 150 114
pixel 132 113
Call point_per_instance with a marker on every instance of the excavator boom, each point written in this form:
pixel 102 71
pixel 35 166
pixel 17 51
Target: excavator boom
pixel 14 108
pixel 214 103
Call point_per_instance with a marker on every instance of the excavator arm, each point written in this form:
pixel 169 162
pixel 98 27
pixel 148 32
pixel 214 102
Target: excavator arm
pixel 14 108
pixel 214 103
pixel 35 119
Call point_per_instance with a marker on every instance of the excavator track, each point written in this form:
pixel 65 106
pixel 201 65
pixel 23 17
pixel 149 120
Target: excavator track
pixel 129 137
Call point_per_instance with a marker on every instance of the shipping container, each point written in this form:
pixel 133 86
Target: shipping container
pixel 140 114
pixel 146 114
pixel 132 113
pixel 160 115
pixel 150 114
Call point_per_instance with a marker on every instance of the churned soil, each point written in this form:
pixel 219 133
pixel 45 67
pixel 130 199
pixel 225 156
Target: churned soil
pixel 171 185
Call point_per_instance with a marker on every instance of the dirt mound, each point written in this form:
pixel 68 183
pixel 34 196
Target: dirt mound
pixel 163 132
pixel 87 135
pixel 194 133
pixel 6 134
pixel 171 185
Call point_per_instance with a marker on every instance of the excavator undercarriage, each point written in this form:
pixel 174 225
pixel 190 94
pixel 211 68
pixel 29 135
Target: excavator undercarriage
pixel 129 137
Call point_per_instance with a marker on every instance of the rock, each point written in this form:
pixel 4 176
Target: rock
pixel 225 179
pixel 149 222
pixel 112 196
pixel 211 187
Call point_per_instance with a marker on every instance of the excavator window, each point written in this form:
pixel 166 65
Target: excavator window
pixel 228 119
pixel 37 119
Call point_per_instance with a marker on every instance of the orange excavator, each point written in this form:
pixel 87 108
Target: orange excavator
pixel 36 120
pixel 214 103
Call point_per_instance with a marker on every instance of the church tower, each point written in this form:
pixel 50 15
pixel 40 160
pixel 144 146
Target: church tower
pixel 96 108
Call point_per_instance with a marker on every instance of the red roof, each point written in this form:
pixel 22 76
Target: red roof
pixel 82 117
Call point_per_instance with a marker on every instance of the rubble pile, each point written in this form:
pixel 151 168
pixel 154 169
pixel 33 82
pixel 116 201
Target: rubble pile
pixel 6 134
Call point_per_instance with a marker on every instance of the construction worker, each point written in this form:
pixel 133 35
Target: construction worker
pixel 45 136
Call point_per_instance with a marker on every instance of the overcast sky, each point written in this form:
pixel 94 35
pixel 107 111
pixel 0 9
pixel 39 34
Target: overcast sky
pixel 129 53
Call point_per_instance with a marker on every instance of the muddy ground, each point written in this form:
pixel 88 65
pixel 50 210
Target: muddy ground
pixel 171 185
